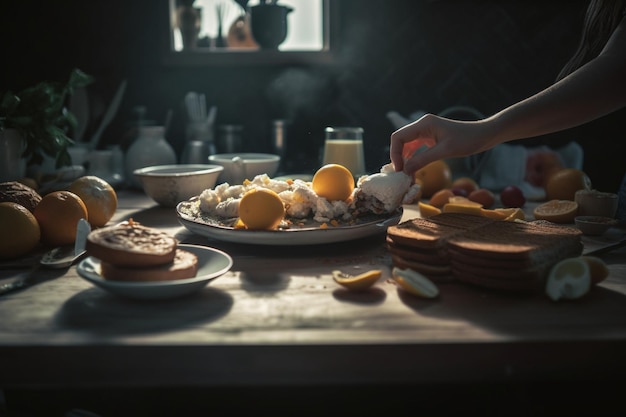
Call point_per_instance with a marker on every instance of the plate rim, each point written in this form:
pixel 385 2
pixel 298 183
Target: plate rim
pixel 97 278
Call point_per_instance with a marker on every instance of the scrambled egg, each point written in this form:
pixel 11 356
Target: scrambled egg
pixel 378 193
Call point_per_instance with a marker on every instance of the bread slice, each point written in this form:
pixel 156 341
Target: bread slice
pixel 433 232
pixel 131 244
pixel 184 265
pixel 427 269
pixel 535 243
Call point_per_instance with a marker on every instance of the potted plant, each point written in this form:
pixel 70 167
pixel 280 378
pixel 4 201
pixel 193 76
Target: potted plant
pixel 39 116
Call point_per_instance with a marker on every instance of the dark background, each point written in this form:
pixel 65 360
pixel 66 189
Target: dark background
pixel 403 55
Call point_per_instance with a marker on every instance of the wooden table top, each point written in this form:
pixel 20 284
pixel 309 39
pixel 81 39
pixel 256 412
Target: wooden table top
pixel 278 317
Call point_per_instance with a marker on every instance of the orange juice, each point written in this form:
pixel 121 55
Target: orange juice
pixel 344 146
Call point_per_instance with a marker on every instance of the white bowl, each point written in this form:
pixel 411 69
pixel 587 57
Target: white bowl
pixel 241 166
pixel 596 203
pixel 168 185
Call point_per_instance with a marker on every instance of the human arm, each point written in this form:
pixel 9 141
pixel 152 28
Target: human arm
pixel 592 91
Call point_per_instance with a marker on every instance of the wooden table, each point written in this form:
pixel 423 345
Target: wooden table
pixel 277 319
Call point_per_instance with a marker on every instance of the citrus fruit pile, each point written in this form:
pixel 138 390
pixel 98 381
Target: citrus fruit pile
pixel 53 220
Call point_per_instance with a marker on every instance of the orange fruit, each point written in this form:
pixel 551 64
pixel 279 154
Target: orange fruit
pixel 333 182
pixel 441 197
pixel 260 209
pixel 465 183
pixel 99 198
pixel 563 184
pixel 19 230
pixel 556 211
pixel 58 214
pixel 434 177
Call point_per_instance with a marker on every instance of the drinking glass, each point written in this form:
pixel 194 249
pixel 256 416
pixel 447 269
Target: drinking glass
pixel 344 146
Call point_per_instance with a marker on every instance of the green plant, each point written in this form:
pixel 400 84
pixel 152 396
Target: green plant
pixel 40 115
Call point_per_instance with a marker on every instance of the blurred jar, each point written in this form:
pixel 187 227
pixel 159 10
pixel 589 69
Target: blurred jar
pixel 344 146
pixel 149 148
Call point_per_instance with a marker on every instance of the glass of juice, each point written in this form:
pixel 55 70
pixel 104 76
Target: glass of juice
pixel 344 146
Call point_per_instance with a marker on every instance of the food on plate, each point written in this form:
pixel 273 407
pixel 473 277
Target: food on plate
pixel 563 184
pixel 434 177
pixel 58 214
pixel 184 265
pixel 513 256
pixel 385 191
pixel 20 230
pixel 378 194
pixel 569 279
pixel 512 196
pixel 131 244
pixel 19 193
pixel 333 182
pixel 557 211
pixel 359 282
pixel 414 283
pixel 99 197
pixel 260 209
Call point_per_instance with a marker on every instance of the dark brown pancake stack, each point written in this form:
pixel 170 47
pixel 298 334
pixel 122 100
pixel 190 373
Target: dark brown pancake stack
pixel 133 252
pixel 504 255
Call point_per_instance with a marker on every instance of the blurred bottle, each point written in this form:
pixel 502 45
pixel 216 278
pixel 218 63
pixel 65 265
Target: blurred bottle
pixel 230 139
pixel 149 149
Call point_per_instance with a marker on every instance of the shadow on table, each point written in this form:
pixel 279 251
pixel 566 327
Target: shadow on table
pixel 94 310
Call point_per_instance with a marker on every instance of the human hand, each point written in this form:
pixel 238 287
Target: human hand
pixel 444 138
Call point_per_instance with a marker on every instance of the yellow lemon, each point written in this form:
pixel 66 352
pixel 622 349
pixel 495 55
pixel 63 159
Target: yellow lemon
pixel 333 182
pixel 428 210
pixel 260 209
pixel 563 184
pixel 19 230
pixel 434 177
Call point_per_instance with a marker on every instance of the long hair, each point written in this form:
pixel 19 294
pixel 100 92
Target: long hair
pixel 601 19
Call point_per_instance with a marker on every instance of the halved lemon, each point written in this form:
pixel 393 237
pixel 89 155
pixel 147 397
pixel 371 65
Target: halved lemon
pixel 557 211
pixel 569 279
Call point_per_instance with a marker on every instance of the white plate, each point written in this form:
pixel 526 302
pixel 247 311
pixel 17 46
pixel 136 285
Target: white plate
pixel 212 263
pixel 295 236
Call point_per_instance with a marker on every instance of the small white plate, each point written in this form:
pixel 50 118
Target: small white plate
pixel 212 263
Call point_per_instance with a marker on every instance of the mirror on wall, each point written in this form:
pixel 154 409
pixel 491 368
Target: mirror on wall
pixel 222 32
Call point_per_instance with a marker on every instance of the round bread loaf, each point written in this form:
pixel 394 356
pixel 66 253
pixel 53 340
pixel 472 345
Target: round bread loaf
pixel 131 244
pixel 19 193
pixel 184 265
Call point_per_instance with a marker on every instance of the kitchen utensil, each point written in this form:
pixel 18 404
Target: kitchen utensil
pixel 64 256
pixel 109 115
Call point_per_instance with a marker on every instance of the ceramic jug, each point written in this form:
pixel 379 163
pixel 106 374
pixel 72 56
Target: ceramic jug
pixel 149 148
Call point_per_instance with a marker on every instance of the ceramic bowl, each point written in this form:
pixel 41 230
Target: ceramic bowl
pixel 594 225
pixel 168 185
pixel 241 166
pixel 596 203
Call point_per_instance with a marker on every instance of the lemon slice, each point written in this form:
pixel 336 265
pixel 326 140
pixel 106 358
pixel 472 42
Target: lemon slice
pixel 357 282
pixel 467 208
pixel 517 214
pixel 569 279
pixel 415 283
pixel 427 210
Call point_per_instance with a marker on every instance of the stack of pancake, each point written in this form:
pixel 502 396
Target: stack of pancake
pixel 496 254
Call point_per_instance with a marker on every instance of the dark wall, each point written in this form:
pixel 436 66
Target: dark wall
pixel 403 55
